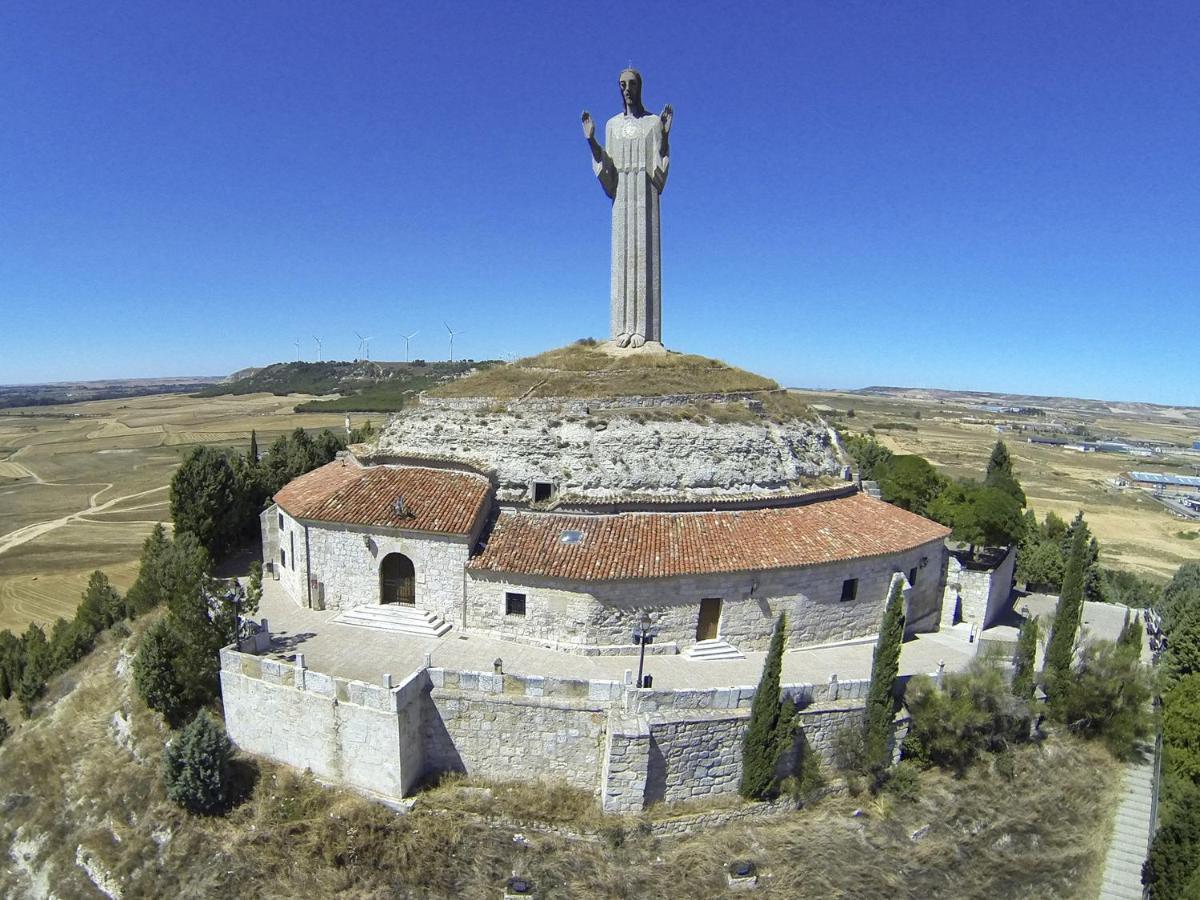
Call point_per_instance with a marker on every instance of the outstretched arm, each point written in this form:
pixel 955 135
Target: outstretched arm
pixel 589 132
pixel 602 164
pixel 659 176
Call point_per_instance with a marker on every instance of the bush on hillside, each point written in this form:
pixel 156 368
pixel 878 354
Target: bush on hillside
pixel 196 766
pixel 156 677
pixel 1105 697
pixel 973 713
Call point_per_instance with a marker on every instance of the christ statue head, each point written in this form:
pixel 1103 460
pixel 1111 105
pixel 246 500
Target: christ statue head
pixel 631 92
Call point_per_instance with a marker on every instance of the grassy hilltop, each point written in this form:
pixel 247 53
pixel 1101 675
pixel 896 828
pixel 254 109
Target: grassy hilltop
pixel 583 370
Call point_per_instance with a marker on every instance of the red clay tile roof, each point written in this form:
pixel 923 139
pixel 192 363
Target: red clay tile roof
pixel 657 545
pixel 439 501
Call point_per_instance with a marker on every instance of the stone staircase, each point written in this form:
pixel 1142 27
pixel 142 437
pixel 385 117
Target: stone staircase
pixel 717 649
pixel 398 617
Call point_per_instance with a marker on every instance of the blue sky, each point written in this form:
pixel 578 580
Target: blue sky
pixel 989 196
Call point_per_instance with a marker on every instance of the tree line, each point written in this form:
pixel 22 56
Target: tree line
pixel 1172 871
pixel 215 499
pixel 992 513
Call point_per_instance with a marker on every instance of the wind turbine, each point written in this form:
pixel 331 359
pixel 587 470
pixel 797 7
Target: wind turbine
pixel 407 338
pixel 452 334
pixel 361 342
pixel 367 348
pixel 297 343
pixel 318 340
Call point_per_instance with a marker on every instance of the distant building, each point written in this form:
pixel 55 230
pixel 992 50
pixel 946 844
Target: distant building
pixel 1183 484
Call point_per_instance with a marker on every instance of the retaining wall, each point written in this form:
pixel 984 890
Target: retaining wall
pixel 631 747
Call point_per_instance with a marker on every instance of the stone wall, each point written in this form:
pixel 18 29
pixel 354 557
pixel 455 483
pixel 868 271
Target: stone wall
pixel 617 457
pixel 631 747
pixel 977 595
pixel 346 560
pixel 591 617
pixel 344 731
pixel 514 738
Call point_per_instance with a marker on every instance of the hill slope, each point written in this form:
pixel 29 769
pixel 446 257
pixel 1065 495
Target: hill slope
pixel 363 385
pixel 583 370
pixel 84 812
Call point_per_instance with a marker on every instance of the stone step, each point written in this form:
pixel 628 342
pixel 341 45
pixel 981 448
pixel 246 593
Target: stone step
pixel 399 618
pixel 717 649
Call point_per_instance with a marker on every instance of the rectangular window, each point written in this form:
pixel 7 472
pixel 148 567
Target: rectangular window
pixel 849 589
pixel 282 558
pixel 281 521
pixel 912 577
pixel 292 537
pixel 514 604
pixel 542 491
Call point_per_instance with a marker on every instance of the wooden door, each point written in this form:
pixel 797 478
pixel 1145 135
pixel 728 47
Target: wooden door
pixel 710 619
pixel 397 580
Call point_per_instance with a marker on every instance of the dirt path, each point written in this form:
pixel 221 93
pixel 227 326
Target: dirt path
pixel 36 530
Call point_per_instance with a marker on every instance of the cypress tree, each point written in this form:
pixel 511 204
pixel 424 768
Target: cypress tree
pixel 1060 648
pixel 885 665
pixel 253 454
pixel 1024 662
pixel 770 727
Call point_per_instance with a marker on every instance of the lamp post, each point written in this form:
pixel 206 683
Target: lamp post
pixel 641 637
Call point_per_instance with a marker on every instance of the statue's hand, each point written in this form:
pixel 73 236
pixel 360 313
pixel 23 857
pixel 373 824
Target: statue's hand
pixel 589 127
pixel 667 116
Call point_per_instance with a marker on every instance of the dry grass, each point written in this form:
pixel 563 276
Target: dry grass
pixel 58 462
pixel 582 371
pixel 69 780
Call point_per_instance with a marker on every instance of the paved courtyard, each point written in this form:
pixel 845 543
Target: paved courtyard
pixel 366 654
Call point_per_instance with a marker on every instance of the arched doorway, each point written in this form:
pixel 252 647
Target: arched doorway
pixel 397 580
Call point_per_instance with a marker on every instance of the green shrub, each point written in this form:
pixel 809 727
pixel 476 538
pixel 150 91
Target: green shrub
pixel 904 781
pixel 1181 727
pixel 1105 697
pixel 974 712
pixel 196 766
pixel 1170 871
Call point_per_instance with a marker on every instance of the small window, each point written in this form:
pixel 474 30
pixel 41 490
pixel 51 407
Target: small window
pixel 912 577
pixel 281 521
pixel 282 558
pixel 542 491
pixel 849 589
pixel 514 604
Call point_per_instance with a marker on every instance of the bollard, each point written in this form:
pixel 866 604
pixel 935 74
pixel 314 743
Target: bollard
pixel 387 681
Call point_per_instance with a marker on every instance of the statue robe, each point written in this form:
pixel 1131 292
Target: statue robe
pixel 632 172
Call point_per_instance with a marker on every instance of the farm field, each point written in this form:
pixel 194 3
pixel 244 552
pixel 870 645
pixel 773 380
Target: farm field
pixel 81 485
pixel 1136 533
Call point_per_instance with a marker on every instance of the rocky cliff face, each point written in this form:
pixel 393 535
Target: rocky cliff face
pixel 618 455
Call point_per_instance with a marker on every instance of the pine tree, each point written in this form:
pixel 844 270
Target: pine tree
pixel 149 588
pixel 1000 474
pixel 770 728
pixel 1060 648
pixel 196 765
pixel 155 675
pixel 885 665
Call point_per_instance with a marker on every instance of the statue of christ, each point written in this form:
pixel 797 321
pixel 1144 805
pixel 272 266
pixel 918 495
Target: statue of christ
pixel 632 169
